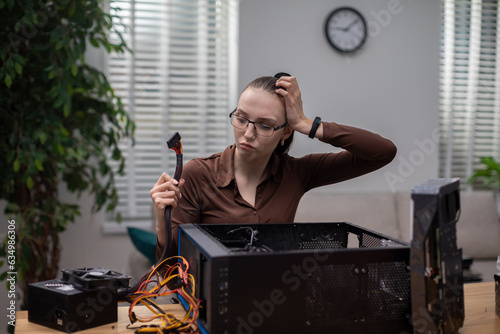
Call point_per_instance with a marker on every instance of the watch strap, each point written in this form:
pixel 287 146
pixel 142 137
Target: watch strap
pixel 314 127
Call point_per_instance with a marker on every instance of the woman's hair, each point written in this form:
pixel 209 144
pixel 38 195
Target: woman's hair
pixel 268 84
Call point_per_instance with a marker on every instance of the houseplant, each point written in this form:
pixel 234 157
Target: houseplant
pixel 489 176
pixel 60 124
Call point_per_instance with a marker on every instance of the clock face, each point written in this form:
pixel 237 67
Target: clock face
pixel 345 29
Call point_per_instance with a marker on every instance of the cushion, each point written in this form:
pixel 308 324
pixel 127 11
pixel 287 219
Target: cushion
pixel 144 241
pixel 478 228
pixel 404 214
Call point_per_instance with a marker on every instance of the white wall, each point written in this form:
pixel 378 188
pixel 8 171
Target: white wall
pixel 390 87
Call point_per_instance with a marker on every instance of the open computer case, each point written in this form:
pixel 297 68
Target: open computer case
pixel 332 277
pixel 298 278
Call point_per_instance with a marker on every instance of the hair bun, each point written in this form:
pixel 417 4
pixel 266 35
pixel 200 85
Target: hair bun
pixel 281 74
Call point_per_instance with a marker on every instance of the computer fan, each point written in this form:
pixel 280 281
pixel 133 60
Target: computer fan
pixel 95 278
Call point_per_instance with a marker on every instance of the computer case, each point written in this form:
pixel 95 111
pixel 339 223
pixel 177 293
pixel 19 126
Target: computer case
pixel 298 278
pixel 436 263
pixel 317 278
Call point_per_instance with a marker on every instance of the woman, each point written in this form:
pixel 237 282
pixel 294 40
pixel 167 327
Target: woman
pixel 255 180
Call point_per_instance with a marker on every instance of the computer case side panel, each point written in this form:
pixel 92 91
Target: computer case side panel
pixel 436 262
pixel 320 291
pixel 209 266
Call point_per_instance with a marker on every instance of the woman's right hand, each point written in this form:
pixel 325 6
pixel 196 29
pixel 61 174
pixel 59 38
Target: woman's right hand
pixel 166 192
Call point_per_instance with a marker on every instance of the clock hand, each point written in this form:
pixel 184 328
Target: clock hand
pixel 351 24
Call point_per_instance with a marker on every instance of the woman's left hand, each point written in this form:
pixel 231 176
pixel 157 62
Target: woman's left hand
pixel 293 104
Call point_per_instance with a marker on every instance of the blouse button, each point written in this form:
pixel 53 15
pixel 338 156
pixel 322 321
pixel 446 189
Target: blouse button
pixel 259 196
pixel 255 212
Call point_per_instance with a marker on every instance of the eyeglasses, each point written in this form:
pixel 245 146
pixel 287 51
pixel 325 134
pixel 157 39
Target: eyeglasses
pixel 262 129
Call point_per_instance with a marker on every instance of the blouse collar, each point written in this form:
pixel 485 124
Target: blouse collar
pixel 225 174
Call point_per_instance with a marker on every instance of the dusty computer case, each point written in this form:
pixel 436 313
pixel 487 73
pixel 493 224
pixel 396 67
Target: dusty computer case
pixel 331 277
pixel 298 278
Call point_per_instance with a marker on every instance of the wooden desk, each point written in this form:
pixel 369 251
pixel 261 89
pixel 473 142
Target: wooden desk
pixel 479 300
pixel 480 317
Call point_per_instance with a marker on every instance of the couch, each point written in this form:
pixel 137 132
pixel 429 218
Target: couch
pixel 478 228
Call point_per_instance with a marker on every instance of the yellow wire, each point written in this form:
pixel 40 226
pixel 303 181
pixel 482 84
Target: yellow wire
pixel 168 321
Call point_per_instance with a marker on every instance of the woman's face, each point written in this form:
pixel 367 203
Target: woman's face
pixel 258 105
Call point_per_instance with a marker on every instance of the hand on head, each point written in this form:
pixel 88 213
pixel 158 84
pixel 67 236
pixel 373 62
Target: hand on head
pixel 293 100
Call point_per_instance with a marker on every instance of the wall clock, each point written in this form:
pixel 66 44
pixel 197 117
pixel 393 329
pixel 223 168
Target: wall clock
pixel 346 29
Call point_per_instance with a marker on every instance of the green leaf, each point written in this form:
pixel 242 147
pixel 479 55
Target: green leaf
pixel 491 163
pixel 72 9
pixel 29 182
pixel 17 165
pixel 12 207
pixel 52 74
pixel 60 149
pixel 64 131
pixel 27 21
pixel 18 58
pixel 106 45
pixel 94 42
pixel 8 81
pixel 116 153
pixel 59 44
pixel 489 175
pixel 66 109
pixel 74 69
pixel 9 64
pixel 39 165
pixel 43 138
pixel 60 100
pixel 17 26
pixel 18 68
pixel 70 90
pixel 34 18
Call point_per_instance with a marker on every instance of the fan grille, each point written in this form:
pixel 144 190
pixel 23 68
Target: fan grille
pixel 95 278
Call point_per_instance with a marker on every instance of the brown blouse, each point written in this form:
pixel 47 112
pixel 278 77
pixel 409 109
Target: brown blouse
pixel 210 194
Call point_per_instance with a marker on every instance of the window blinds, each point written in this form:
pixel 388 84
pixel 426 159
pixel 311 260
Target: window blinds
pixel 470 86
pixel 180 77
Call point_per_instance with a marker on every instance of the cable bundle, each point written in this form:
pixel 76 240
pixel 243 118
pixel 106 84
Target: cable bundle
pixel 139 293
pixel 175 144
pixel 185 287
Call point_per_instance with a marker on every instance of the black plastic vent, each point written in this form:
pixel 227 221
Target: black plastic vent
pixel 347 294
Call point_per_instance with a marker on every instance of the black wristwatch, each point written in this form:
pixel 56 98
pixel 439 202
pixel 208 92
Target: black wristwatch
pixel 314 127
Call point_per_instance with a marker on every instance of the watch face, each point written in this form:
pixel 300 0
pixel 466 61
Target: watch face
pixel 345 29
